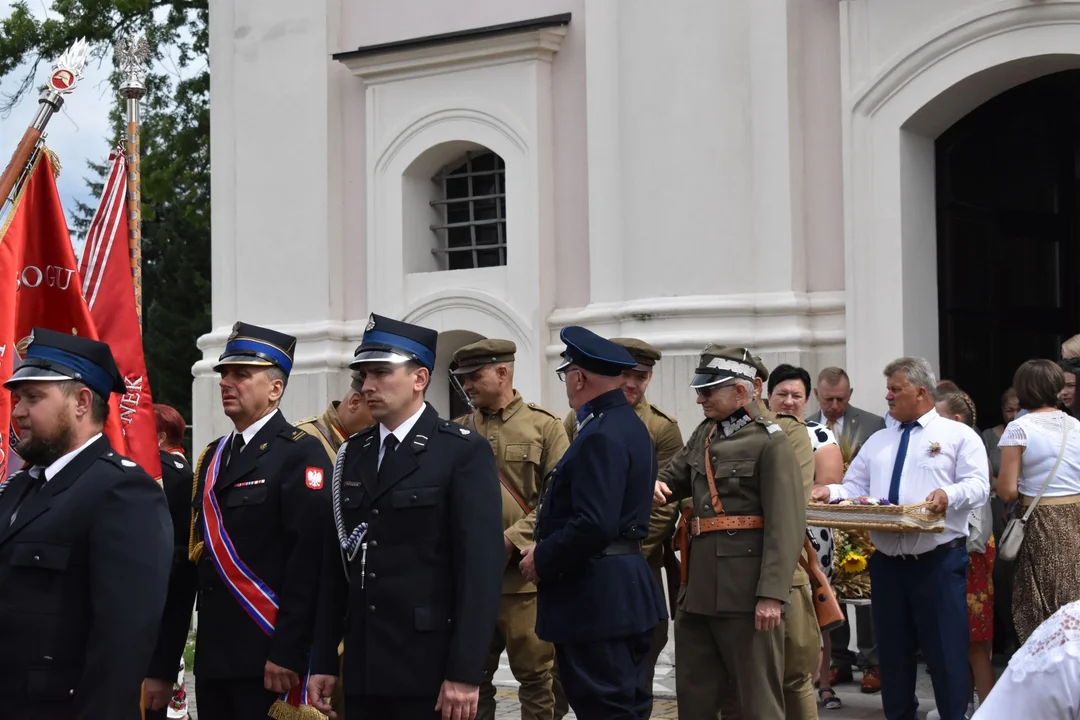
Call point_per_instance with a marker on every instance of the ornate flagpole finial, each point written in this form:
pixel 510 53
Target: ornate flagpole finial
pixel 131 54
pixel 68 70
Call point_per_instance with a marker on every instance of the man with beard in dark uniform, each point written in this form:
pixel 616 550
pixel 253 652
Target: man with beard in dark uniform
pixel 85 545
pixel 255 541
pixel 413 564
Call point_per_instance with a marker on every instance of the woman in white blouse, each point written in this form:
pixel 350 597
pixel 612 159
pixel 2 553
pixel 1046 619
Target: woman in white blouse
pixel 1043 677
pixel 789 389
pixel 1047 571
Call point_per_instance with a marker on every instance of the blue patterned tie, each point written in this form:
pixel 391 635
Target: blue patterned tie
pixel 898 464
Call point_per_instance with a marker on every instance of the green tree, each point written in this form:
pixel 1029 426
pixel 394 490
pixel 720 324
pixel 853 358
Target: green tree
pixel 175 158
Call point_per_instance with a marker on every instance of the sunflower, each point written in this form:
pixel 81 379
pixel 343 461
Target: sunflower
pixel 854 563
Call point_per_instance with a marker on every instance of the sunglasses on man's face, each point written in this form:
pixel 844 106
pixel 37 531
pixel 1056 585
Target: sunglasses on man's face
pixel 706 392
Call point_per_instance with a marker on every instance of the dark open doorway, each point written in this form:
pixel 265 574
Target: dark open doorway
pixel 1007 235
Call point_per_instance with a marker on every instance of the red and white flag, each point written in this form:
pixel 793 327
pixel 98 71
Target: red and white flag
pixel 39 287
pixel 109 290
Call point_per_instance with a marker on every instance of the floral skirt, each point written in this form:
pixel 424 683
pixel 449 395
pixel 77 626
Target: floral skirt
pixel 980 593
pixel 1047 571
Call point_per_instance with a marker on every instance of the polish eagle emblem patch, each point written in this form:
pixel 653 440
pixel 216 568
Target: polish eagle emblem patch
pixel 313 478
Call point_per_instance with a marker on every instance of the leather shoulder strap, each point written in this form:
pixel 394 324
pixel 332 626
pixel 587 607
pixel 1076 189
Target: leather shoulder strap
pixel 471 424
pixel 713 495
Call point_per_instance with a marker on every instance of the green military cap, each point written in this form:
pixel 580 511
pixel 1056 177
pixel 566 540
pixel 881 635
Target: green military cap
pixel 719 365
pixel 644 353
pixel 485 352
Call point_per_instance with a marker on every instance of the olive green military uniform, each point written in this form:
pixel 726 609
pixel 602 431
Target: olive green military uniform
pixel 528 442
pixel 327 427
pixel 756 474
pixel 667 441
pixel 802 636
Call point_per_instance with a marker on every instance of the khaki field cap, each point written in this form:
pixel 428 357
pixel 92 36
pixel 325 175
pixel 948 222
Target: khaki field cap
pixel 719 365
pixel 484 352
pixel 644 353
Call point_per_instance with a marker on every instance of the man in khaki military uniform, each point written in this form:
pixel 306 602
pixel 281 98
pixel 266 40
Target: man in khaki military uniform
pixel 748 528
pixel 528 442
pixel 667 440
pixel 341 420
pixel 802 635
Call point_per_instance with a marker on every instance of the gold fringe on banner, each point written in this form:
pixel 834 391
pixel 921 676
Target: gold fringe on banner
pixel 281 710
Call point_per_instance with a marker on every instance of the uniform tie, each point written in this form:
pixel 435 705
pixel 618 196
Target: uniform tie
pixel 898 464
pixel 389 446
pixel 237 447
pixel 36 483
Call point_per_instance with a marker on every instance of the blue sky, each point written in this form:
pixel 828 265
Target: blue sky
pixel 80 131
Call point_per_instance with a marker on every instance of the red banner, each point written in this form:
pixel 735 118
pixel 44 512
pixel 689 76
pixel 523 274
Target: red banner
pixel 39 286
pixel 109 291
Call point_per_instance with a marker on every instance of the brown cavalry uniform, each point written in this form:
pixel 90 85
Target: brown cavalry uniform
pixel 746 467
pixel 528 442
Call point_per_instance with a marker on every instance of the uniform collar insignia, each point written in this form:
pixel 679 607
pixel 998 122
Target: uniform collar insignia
pixel 735 422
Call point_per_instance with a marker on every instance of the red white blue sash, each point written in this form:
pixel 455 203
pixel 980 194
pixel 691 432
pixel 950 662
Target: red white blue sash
pixel 254 596
pixel 257 599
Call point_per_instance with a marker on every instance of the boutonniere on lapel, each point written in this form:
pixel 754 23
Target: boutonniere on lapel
pixel 935 449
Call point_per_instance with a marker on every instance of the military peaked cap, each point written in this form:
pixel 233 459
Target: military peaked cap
pixel 719 365
pixel 644 353
pixel 55 356
pixel 393 341
pixel 485 352
pixel 258 346
pixel 593 353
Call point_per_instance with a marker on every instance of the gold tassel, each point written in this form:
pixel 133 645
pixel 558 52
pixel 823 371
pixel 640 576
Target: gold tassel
pixel 195 547
pixel 54 162
pixel 308 712
pixel 282 710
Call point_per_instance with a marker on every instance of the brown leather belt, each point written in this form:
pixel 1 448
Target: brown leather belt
pixel 701 525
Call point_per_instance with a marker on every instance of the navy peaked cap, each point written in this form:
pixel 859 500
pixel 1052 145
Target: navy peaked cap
pixel 593 353
pixel 393 341
pixel 259 346
pixel 55 356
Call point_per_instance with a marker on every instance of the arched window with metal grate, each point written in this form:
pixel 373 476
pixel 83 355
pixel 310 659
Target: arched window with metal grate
pixel 473 203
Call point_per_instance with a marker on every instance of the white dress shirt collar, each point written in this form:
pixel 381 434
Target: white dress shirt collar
pixel 401 431
pixel 253 429
pixel 62 462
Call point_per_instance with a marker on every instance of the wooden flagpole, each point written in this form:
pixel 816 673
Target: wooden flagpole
pixel 66 74
pixel 132 54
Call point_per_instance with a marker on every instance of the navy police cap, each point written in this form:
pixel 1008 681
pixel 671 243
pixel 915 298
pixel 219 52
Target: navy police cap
pixel 593 353
pixel 258 346
pixel 393 341
pixel 55 356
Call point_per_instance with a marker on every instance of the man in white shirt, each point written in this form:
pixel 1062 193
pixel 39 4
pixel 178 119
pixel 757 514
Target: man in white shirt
pixel 919 579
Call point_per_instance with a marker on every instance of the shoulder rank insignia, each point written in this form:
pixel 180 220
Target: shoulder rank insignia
pixel 179 465
pixel 298 433
pixel 772 428
pixel 464 431
pixel 127 463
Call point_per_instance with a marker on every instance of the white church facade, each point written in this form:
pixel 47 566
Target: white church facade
pixel 828 182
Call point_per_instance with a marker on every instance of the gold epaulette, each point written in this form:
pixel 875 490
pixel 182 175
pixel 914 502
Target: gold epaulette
pixel 195 547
